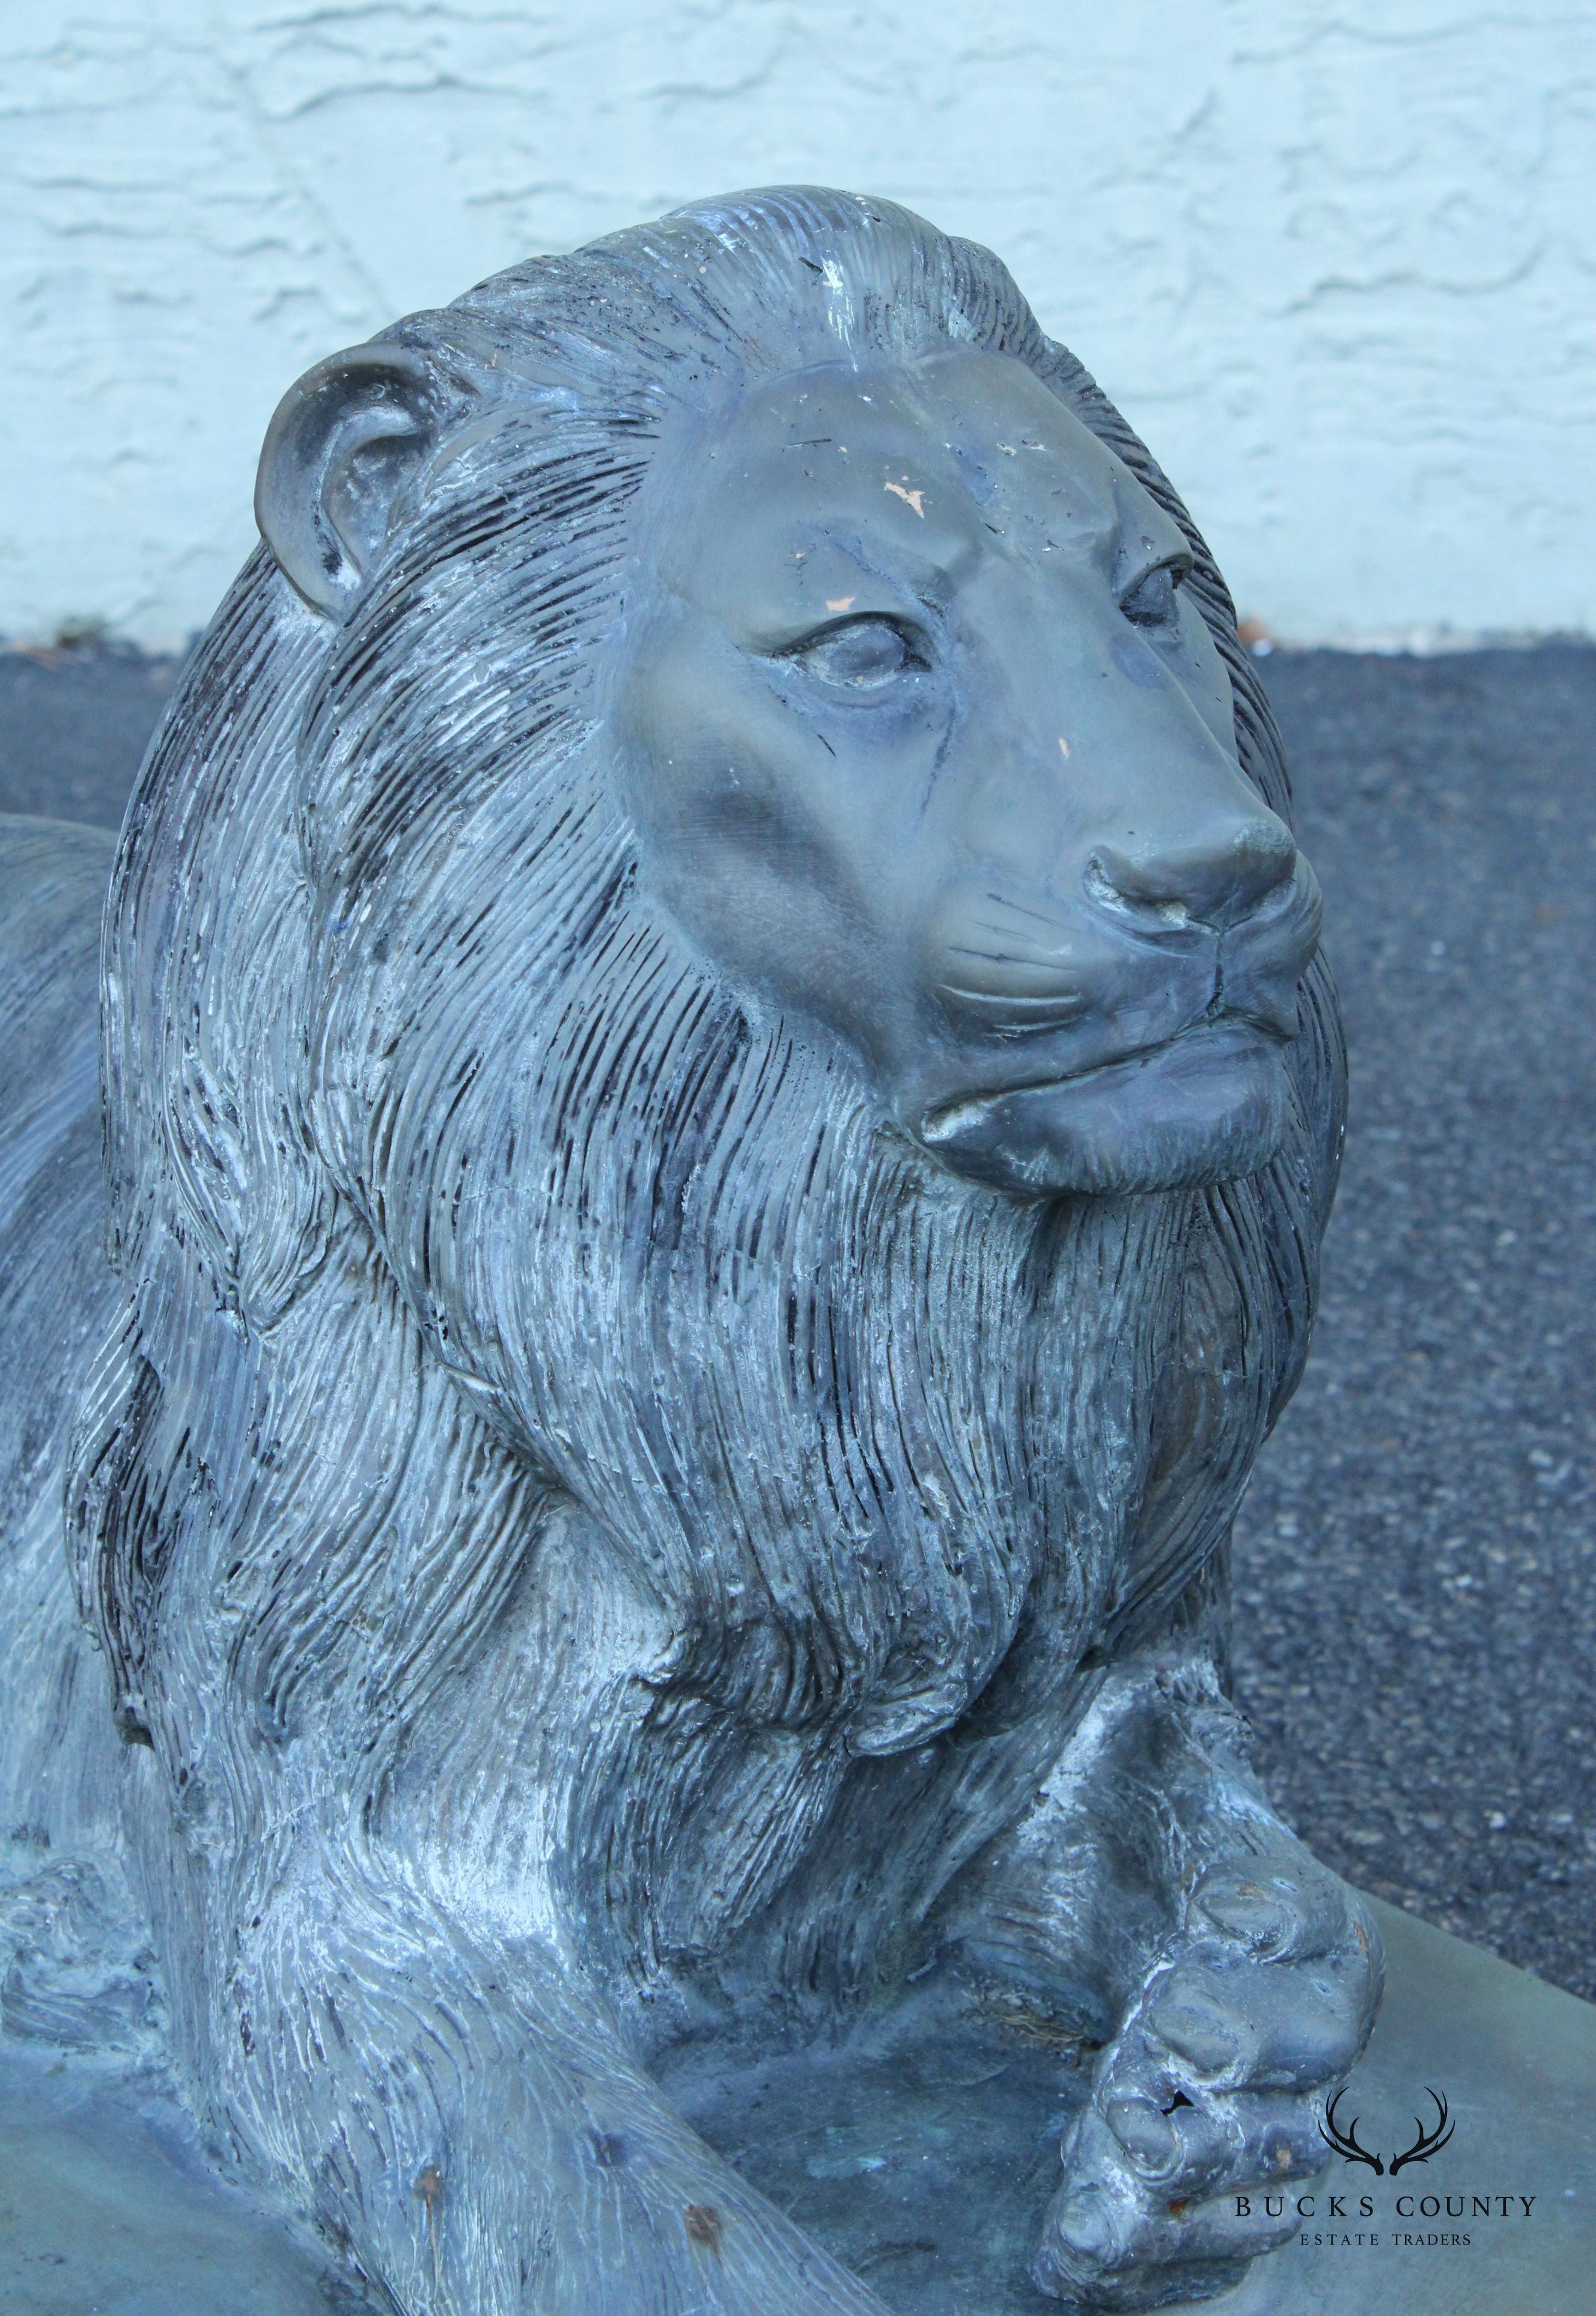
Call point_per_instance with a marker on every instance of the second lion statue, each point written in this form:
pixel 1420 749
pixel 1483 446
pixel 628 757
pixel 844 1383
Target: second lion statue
pixel 720 1104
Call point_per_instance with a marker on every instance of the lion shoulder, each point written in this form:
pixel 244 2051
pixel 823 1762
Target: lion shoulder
pixel 53 876
pixel 55 1284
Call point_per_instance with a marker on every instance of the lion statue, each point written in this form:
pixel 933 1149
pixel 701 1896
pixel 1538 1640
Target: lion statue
pixel 719 1104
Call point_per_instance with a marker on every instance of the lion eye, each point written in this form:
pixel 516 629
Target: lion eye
pixel 1150 603
pixel 860 655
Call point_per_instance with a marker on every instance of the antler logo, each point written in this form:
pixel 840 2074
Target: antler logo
pixel 1427 2143
pixel 1345 2142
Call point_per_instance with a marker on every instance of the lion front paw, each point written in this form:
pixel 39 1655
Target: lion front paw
pixel 1214 2088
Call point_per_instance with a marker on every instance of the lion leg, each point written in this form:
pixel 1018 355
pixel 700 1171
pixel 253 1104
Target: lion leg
pixel 387 1989
pixel 467 2127
pixel 1153 1892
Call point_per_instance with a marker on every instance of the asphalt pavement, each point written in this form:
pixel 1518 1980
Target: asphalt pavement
pixel 1415 1563
pixel 1416 1568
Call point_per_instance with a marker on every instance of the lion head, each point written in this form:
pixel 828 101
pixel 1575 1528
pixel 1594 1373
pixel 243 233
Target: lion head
pixel 712 935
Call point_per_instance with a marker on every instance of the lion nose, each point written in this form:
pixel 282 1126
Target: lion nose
pixel 1215 882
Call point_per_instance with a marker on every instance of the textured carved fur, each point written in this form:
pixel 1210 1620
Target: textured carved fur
pixel 545 1410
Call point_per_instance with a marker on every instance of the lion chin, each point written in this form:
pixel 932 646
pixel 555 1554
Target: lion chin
pixel 720 1102
pixel 1209 1106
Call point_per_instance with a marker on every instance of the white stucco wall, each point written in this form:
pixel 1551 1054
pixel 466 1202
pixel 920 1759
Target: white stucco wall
pixel 1336 258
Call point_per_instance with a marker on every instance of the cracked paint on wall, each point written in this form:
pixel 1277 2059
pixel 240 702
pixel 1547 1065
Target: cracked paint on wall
pixel 1335 262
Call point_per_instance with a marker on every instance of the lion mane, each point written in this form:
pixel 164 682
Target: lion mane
pixel 463 1216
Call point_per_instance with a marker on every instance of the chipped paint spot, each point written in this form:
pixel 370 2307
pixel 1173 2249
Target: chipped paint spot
pixel 840 319
pixel 909 498
pixel 1064 748
pixel 704 2225
pixel 840 603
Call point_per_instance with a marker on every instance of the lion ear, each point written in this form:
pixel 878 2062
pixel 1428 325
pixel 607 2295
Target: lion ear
pixel 341 447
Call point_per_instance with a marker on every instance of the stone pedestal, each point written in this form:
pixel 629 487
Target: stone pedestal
pixel 926 2163
pixel 107 2208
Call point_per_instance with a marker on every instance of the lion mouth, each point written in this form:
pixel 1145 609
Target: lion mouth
pixel 1234 1033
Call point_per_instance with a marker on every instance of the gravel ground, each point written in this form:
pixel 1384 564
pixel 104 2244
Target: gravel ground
pixel 73 723
pixel 1416 1560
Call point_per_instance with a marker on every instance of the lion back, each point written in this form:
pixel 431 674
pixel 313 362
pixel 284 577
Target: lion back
pixel 64 1975
pixel 55 1286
